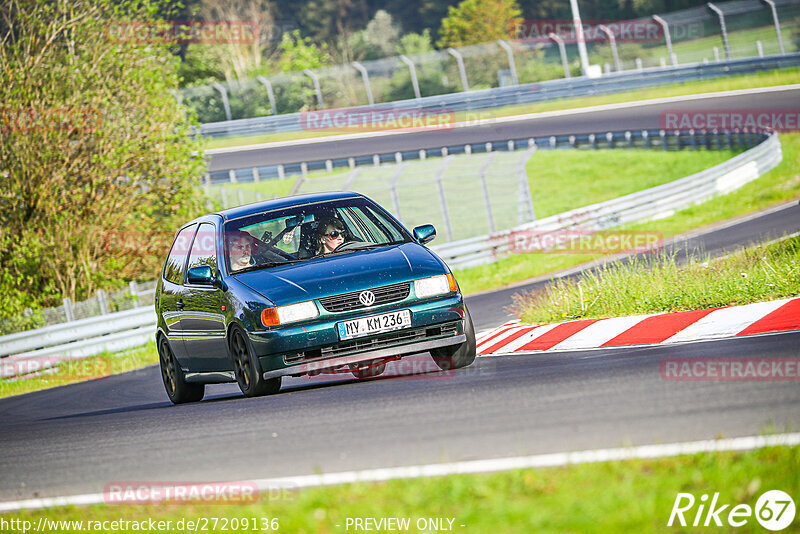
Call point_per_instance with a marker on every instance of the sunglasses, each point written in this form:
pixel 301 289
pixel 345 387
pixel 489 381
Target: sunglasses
pixel 335 234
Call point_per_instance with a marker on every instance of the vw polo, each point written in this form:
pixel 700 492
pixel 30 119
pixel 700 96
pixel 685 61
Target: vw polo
pixel 325 283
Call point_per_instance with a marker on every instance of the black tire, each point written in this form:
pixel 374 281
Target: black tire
pixel 457 356
pixel 178 390
pixel 247 369
pixel 369 372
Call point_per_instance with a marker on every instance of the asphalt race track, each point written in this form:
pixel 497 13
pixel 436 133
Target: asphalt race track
pixel 76 439
pixel 621 118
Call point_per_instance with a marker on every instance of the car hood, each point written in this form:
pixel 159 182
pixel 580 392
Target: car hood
pixel 342 273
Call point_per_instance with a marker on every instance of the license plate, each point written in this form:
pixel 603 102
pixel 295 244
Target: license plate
pixel 374 324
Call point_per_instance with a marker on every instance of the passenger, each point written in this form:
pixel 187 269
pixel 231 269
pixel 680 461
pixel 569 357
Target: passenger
pixel 330 235
pixel 240 250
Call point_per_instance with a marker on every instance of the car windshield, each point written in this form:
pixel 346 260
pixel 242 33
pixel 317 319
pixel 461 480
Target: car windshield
pixel 309 231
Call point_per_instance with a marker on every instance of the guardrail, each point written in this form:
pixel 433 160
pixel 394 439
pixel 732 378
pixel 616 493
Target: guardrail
pixel 522 94
pixel 130 328
pixel 651 203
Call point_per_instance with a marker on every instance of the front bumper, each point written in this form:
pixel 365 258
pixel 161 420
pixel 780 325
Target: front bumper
pixel 315 346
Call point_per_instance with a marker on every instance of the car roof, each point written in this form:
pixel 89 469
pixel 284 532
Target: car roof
pixel 285 202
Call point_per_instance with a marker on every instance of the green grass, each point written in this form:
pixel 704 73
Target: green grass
pixel 750 81
pixel 563 180
pixel 779 185
pixel 95 367
pixel 659 284
pixel 620 496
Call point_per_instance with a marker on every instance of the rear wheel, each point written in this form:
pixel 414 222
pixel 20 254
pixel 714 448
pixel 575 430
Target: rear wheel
pixel 178 390
pixel 247 369
pixel 457 356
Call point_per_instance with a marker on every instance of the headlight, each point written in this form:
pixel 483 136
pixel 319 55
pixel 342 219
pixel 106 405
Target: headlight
pixel 435 285
pixel 289 314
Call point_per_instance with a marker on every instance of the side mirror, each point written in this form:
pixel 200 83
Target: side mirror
pixel 424 234
pixel 201 276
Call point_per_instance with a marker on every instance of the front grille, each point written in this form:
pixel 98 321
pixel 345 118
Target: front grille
pixel 349 301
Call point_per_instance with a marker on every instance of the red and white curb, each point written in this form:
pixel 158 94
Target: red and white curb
pixel 713 323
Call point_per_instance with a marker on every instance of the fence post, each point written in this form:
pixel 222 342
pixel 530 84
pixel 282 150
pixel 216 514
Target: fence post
pixel 525 198
pixel 759 49
pixel 512 66
pixel 365 77
pixel 777 22
pixel 225 104
pixel 270 94
pixel 485 188
pixel 241 197
pixel 224 197
pixel 68 310
pixel 562 50
pixel 393 191
pixel 721 16
pixel 256 177
pixel 232 176
pixel 461 70
pixel 133 289
pixel 613 42
pixel 442 200
pixel 317 89
pixel 413 71
pixel 102 300
pixel 668 38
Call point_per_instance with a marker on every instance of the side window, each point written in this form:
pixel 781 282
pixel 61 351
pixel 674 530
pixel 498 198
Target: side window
pixel 204 248
pixel 173 270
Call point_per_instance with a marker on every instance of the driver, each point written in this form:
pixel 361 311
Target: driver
pixel 240 248
pixel 330 235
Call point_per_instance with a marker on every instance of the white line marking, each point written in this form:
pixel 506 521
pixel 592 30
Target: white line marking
pixel 513 118
pixel 598 333
pixel 726 321
pixel 467 467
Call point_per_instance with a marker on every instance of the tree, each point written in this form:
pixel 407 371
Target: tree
pixel 96 162
pixel 298 53
pixel 479 21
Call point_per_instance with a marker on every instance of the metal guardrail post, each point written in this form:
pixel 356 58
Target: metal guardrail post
pixel 133 289
pixel 613 42
pixel 485 189
pixel 314 78
pixel 562 50
pixel 759 49
pixel 413 71
pixel 581 37
pixel 512 65
pixel 777 22
pixel 462 72
pixel 722 26
pixel 665 26
pixel 270 94
pixel 442 200
pixel 365 77
pixel 225 104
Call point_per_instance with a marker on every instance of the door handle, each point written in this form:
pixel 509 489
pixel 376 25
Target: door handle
pixel 180 304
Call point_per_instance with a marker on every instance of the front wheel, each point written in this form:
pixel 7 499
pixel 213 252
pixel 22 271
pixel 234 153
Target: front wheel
pixel 457 356
pixel 178 390
pixel 247 369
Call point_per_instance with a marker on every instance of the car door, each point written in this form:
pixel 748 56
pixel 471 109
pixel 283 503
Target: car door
pixel 171 302
pixel 203 318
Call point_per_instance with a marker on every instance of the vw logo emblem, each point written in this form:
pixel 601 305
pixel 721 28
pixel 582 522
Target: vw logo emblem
pixel 367 298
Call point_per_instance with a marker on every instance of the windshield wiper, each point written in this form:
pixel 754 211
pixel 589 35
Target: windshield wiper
pixel 261 266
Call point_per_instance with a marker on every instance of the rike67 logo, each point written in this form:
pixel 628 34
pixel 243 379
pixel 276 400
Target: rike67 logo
pixel 774 510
